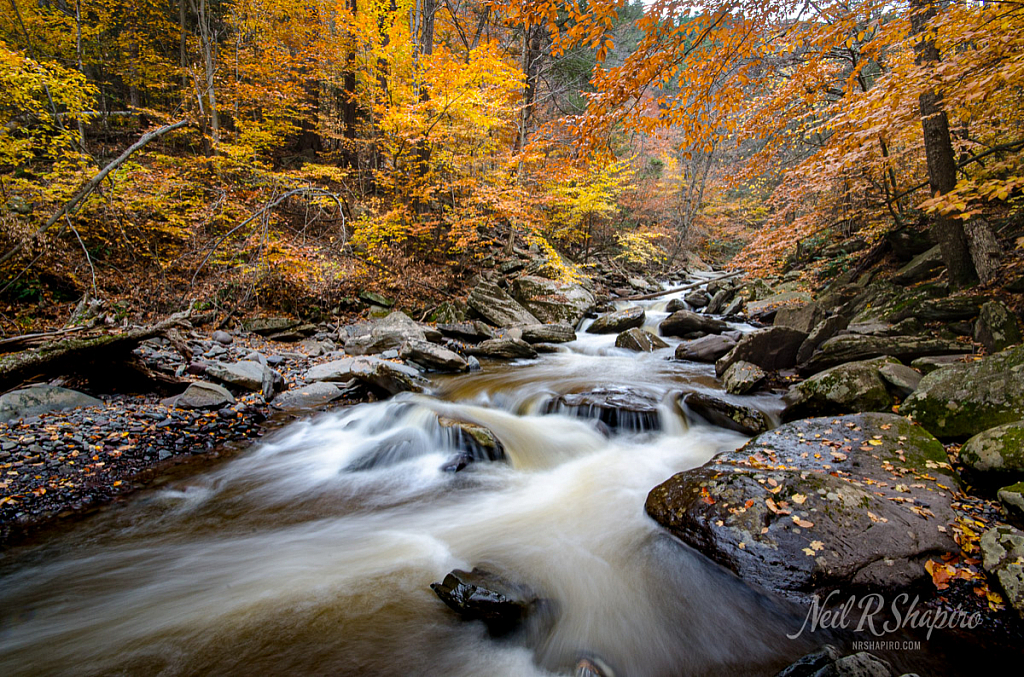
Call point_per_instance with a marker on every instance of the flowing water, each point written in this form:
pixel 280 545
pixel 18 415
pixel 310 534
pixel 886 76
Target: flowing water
pixel 313 552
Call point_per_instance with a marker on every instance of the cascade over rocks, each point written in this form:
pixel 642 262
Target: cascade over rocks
pixel 626 409
pixel 787 521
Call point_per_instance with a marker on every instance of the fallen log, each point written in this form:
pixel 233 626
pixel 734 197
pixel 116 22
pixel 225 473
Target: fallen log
pixel 644 297
pixel 85 356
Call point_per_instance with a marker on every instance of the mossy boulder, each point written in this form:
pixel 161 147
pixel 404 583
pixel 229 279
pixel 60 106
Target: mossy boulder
pixel 742 377
pixel 848 388
pixel 997 328
pixel 729 415
pixel 962 400
pixel 1002 550
pixel 995 457
pixel 853 347
pixel 1012 499
pixel 824 503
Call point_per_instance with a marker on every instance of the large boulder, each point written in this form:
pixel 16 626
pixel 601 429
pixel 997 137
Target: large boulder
pixel 950 309
pixel 548 333
pixel 202 395
pixel 388 378
pixel 399 326
pixel 497 307
pixel 995 457
pixel 503 349
pixel 638 340
pixel 432 356
pixel 266 326
pixel 848 388
pixel 719 300
pixel 39 399
pixel 1002 551
pixel 742 419
pixel 684 322
pixel 339 371
pixel 997 327
pixel 789 300
pixel 696 299
pixel 818 504
pixel 854 347
pixel 965 399
pixel 552 301
pixel 619 321
pixel 705 349
pixel 771 349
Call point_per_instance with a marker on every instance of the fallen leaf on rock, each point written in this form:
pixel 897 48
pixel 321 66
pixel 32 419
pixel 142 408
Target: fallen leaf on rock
pixel 798 498
pixel 802 523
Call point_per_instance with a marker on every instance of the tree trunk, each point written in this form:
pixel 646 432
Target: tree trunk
pixel 938 148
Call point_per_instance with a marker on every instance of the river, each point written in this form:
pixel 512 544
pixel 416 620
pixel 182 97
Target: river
pixel 313 552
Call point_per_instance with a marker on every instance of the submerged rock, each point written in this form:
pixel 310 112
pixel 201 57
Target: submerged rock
pixel 961 400
pixel 638 340
pixel 619 321
pixel 806 507
pixel 485 596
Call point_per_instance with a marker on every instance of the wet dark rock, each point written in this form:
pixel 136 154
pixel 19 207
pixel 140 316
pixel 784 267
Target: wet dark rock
pixel 485 596
pixel 809 665
pixel 432 357
pixel 735 307
pixel 638 340
pixel 743 377
pixel 771 349
pixel 677 304
pixel 503 349
pixel 706 349
pixel 961 400
pixel 457 463
pixel 497 307
pixel 619 408
pixel 619 321
pixel 719 300
pixel 806 507
pixel 552 301
pixel 39 399
pixel 548 333
pixel 742 419
pixel 470 332
pixel 829 662
pixel 855 347
pixel 683 322
pixel 389 378
pixel 476 441
pixel 997 327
